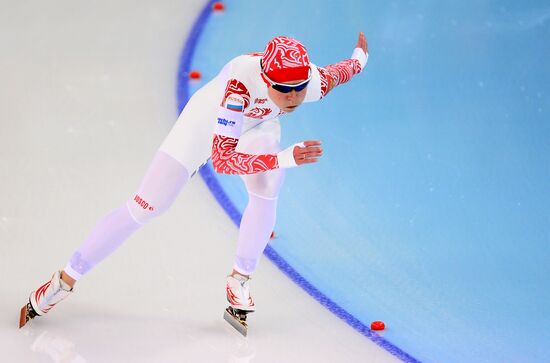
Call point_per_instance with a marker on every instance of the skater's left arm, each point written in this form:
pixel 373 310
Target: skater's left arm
pixel 341 72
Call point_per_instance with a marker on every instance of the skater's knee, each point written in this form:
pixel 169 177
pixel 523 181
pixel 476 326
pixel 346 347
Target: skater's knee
pixel 266 185
pixel 144 210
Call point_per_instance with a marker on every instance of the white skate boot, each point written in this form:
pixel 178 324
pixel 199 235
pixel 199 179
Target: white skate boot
pixel 44 298
pixel 238 293
pixel 240 302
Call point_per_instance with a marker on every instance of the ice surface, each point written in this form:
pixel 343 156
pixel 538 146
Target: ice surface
pixel 87 95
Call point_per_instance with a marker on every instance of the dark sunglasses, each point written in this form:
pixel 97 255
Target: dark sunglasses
pixel 286 88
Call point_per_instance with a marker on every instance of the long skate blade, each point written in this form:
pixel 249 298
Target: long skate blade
pixel 235 323
pixel 23 317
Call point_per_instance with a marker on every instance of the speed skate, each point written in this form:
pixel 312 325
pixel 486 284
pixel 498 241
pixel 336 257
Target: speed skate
pixel 44 298
pixel 237 319
pixel 240 301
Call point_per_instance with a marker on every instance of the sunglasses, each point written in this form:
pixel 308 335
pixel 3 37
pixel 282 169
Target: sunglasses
pixel 286 88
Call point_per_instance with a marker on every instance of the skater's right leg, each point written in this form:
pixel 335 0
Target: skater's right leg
pixel 162 183
pixel 185 149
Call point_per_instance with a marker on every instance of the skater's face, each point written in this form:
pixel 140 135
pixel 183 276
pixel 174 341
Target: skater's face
pixel 288 101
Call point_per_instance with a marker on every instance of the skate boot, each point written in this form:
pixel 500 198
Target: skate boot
pixel 44 298
pixel 240 302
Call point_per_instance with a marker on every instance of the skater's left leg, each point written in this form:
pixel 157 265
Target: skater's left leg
pixel 255 230
pixel 263 191
pixel 258 219
pixel 259 215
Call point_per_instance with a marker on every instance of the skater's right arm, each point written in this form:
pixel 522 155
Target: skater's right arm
pixel 229 124
pixel 227 160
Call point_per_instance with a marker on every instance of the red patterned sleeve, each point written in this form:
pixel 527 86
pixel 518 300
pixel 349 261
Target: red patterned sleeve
pixel 225 158
pixel 336 74
pixel 228 161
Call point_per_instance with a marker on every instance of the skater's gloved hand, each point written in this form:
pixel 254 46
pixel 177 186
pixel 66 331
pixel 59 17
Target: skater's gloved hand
pixel 306 152
pixel 361 51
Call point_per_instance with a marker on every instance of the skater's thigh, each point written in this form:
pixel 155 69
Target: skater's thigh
pixel 160 186
pixel 263 139
pixel 190 140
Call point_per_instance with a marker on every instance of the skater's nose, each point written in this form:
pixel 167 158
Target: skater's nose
pixel 291 95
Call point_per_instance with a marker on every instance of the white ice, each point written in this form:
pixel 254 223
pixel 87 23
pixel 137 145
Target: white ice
pixel 87 93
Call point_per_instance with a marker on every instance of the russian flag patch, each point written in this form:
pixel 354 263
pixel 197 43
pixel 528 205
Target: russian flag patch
pixel 234 107
pixel 234 102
